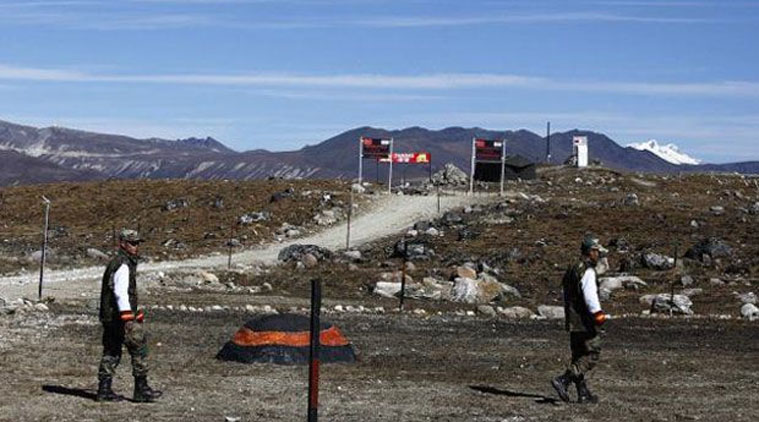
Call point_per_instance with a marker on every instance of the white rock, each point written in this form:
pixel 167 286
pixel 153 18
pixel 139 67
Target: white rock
pixel 41 307
pixel 209 278
pixel 517 312
pixel 432 232
pixel 387 288
pixel 551 312
pixel 750 311
pixel 354 255
pixel 486 310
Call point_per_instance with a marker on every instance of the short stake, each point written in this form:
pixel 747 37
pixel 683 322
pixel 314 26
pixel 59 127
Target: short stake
pixel 44 245
pixel 313 365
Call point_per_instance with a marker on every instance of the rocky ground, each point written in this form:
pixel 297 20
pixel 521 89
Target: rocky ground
pixel 481 333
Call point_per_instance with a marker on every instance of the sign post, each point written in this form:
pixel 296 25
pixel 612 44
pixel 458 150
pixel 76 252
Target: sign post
pixel 44 244
pixel 471 169
pixel 548 143
pixel 313 353
pixel 580 149
pixel 390 172
pixel 348 233
pixel 360 159
pixel 503 165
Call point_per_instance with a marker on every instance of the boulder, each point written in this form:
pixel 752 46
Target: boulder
pixel 450 175
pixel 297 251
pixel 486 310
pixel 465 290
pixel 656 261
pixel 620 282
pixel 710 247
pixel 309 260
pixel 692 292
pixel 602 266
pixel 686 280
pixel 451 217
pixel 517 312
pixel 551 312
pixel 253 217
pixel 432 232
pixel 416 250
pixel 352 255
pixel 466 272
pixel 749 297
pixel 750 311
pixel 387 288
pixel 97 254
pixel 632 200
pixel 209 278
pixel 664 302
pixel 356 188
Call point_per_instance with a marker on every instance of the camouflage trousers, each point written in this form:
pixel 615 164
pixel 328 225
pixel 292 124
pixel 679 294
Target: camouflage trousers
pixel 115 336
pixel 586 351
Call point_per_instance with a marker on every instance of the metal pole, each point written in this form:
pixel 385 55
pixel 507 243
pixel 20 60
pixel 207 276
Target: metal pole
pixel 503 163
pixel 348 232
pixel 313 354
pixel 360 158
pixel 403 275
pixel 231 235
pixel 438 199
pixel 390 173
pixel 44 245
pixel 471 170
pixel 548 142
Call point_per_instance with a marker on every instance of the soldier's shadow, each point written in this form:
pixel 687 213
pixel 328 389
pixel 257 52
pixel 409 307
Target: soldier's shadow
pixel 541 399
pixel 66 391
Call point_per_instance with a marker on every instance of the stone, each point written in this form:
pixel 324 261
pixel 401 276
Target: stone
pixel 416 250
pixel 466 272
pixel 665 302
pixel 253 217
pixel 41 307
pixel 309 260
pixel 97 254
pixel 551 312
pixel 620 282
pixel 465 290
pixel 694 224
pixel 486 310
pixel 292 233
pixel 297 251
pixel 422 226
pixel 209 278
pixel 432 232
pixel 602 266
pixel 410 266
pixel 632 200
pixel 749 311
pixel 749 297
pixel 387 288
pixel 686 280
pixel 356 188
pixel 517 312
pixel 450 175
pixel 412 233
pixel 714 281
pixel 656 261
pixel 451 217
pixel 711 247
pixel 717 210
pixel 352 255
pixel 692 292
pixel 754 209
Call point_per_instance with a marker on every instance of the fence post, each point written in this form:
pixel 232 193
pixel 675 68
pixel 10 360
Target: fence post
pixel 313 355
pixel 44 244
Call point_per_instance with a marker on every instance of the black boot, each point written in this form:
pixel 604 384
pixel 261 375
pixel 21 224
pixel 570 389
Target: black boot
pixel 583 393
pixel 105 393
pixel 142 392
pixel 561 383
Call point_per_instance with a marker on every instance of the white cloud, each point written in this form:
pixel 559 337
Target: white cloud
pixel 442 81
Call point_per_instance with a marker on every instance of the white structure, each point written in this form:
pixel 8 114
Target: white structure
pixel 580 150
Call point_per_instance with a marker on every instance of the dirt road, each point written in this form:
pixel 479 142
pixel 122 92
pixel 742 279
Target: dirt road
pixel 388 215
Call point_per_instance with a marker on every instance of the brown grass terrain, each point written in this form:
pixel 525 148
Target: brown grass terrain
pixel 86 215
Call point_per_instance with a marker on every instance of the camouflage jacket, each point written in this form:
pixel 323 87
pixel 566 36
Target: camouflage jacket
pixel 109 309
pixel 577 315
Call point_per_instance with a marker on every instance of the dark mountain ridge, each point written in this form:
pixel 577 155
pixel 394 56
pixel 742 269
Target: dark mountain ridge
pixel 57 153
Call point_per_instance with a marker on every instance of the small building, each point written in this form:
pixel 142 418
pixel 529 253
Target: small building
pixel 515 167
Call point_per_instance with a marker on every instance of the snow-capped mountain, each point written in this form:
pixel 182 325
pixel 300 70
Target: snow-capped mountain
pixel 670 152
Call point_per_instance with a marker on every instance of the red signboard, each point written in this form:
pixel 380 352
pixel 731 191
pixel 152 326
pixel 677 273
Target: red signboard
pixel 488 150
pixel 409 158
pixel 375 147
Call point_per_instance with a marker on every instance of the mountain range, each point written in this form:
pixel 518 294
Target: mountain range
pixel 669 152
pixel 35 155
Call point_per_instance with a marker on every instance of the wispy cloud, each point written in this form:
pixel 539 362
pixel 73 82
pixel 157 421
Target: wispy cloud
pixel 443 81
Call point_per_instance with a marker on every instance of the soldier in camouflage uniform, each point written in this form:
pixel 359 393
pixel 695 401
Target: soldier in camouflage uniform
pixel 123 322
pixel 583 314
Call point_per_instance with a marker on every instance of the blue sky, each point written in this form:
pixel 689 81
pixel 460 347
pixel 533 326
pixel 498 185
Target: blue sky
pixel 280 74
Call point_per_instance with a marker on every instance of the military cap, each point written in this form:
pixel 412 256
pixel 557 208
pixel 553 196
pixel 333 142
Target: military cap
pixel 590 242
pixel 131 236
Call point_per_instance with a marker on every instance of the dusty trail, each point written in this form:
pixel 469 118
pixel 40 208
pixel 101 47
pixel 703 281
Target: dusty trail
pixel 388 215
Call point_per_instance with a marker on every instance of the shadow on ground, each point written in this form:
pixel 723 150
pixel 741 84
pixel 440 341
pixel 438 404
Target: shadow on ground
pixel 497 391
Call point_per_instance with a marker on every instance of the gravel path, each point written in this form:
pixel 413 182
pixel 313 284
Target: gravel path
pixel 389 214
